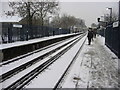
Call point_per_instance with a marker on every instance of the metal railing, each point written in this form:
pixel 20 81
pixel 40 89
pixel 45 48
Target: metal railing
pixel 12 34
pixel 112 38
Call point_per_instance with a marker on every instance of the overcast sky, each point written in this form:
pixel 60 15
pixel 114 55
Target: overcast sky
pixel 89 10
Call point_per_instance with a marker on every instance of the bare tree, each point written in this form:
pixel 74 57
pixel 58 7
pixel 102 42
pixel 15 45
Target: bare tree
pixel 45 8
pixel 29 9
pixel 80 23
pixel 56 22
pixel 93 25
pixel 67 21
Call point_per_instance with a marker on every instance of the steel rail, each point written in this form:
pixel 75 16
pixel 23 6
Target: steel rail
pixel 29 76
pixel 60 81
pixel 30 53
pixel 28 64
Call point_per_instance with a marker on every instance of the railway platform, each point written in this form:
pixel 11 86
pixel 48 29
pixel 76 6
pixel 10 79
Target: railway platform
pixel 95 67
pixel 70 63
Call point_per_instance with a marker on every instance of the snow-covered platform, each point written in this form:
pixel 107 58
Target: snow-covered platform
pixel 21 43
pixel 12 50
pixel 95 67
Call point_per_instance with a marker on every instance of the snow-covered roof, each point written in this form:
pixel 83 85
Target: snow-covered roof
pixel 10 19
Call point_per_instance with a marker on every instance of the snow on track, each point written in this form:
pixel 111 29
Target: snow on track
pixel 9 81
pixel 95 67
pixel 49 77
pixel 8 67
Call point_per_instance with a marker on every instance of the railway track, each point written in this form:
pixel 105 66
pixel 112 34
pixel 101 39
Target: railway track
pixel 17 69
pixel 39 66
pixel 62 78
pixel 28 54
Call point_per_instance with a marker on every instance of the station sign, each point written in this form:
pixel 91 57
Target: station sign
pixel 17 25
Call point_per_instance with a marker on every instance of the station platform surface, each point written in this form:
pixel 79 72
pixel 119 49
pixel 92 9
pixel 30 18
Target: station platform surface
pixel 20 43
pixel 96 67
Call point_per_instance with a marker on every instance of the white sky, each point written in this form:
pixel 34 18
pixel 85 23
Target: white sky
pixel 89 10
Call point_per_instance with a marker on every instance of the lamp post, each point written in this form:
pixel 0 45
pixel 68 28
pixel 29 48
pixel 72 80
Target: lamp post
pixel 110 13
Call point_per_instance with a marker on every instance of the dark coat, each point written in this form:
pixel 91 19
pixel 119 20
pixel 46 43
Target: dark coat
pixel 90 35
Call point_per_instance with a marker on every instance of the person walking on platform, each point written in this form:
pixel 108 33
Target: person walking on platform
pixel 90 36
pixel 95 32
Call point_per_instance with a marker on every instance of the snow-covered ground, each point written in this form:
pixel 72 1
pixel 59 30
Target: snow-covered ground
pixel 20 43
pixel 95 67
pixel 50 77
pixel 11 66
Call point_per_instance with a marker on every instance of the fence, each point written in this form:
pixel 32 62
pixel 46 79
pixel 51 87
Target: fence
pixel 12 34
pixel 112 39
